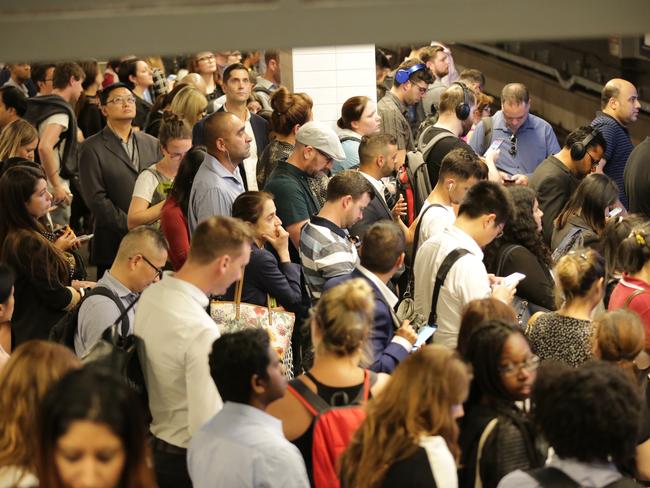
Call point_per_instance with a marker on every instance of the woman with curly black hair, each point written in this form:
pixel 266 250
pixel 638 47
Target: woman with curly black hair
pixel 496 436
pixel 521 249
pixel 590 416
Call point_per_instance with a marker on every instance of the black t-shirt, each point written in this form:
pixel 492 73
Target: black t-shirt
pixel 440 150
pixel 637 179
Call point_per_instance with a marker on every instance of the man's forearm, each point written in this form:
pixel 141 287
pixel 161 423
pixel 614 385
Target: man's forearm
pixel 50 165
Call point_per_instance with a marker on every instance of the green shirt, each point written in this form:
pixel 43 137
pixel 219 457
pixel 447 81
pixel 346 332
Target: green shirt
pixel 294 200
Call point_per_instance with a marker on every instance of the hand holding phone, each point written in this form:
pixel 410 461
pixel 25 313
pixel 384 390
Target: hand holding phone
pixel 512 279
pixel 424 334
pixel 85 237
pixel 614 212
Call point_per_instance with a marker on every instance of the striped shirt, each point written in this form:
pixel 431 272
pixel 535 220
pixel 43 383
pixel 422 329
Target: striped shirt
pixel 326 251
pixel 619 147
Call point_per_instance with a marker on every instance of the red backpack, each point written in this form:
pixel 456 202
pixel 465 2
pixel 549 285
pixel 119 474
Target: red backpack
pixel 333 428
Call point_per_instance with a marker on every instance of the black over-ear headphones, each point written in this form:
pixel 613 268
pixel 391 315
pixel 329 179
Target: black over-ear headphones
pixel 579 149
pixel 403 75
pixel 463 109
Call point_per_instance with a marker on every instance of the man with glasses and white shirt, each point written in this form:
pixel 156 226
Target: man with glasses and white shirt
pixel 412 79
pixel 109 164
pixel 139 262
pixel 524 140
pixel 486 208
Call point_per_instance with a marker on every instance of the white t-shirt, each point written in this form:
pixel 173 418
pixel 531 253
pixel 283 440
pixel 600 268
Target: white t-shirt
pixel 434 221
pixel 146 184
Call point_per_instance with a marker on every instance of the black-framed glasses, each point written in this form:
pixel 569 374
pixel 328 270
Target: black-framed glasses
pixel 513 145
pixel 325 155
pixel 159 271
pixel 594 163
pixel 530 364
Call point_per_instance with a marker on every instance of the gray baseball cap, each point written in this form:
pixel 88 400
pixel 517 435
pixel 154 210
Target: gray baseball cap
pixel 322 137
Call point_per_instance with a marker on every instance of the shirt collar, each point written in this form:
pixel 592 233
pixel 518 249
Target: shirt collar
pixel 466 241
pixel 215 165
pixel 500 123
pixel 378 184
pixel 121 290
pixel 388 295
pixel 248 112
pixel 185 287
pixel 317 220
pixel 400 105
pixel 252 414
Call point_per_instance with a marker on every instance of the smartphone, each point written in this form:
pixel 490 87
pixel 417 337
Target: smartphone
pixel 85 237
pixel 423 336
pixel 615 212
pixel 494 146
pixel 513 279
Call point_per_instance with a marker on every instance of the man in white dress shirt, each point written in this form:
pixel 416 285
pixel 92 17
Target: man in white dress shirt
pixel 482 215
pixel 177 333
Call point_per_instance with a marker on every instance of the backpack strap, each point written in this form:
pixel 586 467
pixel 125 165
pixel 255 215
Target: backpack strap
pixel 632 296
pixel 552 477
pixel 478 482
pixel 445 267
pixel 369 379
pixel 310 400
pixel 416 241
pixel 505 254
pixel 348 138
pixel 123 317
pixel 434 140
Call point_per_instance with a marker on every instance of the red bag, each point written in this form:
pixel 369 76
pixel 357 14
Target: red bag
pixel 333 428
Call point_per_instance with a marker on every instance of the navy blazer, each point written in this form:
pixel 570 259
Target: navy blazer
pixel 260 131
pixel 263 275
pixel 376 210
pixel 386 354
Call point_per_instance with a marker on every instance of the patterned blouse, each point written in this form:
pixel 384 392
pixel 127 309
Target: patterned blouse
pixel 560 338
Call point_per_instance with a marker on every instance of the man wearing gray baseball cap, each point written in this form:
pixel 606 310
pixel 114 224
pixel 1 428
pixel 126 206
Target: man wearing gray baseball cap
pixel 317 145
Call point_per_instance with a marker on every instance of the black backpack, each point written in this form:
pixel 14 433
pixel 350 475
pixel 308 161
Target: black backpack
pixel 64 330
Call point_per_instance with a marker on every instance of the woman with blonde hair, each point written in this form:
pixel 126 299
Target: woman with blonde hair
pixel 414 422
pixel 18 139
pixel 340 327
pixel 189 104
pixel 565 335
pixel 29 373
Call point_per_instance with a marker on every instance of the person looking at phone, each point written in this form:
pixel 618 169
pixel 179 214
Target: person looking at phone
pixel 558 176
pixel 484 212
pixel 268 273
pixel 139 262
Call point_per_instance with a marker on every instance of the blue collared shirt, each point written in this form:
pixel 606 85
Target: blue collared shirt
pixel 535 141
pixel 244 446
pixel 97 313
pixel 213 192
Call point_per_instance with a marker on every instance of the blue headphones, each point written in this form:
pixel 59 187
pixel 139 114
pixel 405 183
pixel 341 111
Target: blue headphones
pixel 403 75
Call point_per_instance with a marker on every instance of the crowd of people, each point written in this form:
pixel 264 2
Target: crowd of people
pixel 425 294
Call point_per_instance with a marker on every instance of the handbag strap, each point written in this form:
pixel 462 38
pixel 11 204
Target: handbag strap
pixel 632 296
pixel 478 483
pixel 549 476
pixel 444 269
pixel 505 254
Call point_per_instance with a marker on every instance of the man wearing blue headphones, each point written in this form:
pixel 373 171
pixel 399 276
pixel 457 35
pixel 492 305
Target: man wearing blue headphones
pixel 412 79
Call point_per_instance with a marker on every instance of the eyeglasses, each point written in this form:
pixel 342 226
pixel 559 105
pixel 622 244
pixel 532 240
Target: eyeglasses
pixel 325 155
pixel 122 100
pixel 594 163
pixel 513 145
pixel 421 89
pixel 530 364
pixel 210 57
pixel 159 271
pixel 176 155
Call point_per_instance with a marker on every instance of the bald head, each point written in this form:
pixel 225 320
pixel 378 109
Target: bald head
pixel 218 125
pixel 226 138
pixel 619 99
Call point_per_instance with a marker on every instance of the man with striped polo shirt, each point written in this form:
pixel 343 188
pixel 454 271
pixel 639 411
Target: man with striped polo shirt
pixel 620 107
pixel 326 248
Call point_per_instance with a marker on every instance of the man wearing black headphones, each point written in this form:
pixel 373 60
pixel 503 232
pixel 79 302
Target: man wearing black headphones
pixel 558 176
pixel 457 103
pixel 412 79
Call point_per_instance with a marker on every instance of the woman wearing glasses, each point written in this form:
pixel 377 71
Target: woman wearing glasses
pixel 496 436
pixel 153 184
pixel 565 335
pixel 205 64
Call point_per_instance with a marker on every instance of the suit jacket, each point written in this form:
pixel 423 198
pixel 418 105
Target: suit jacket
pixel 376 210
pixel 107 181
pixel 386 355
